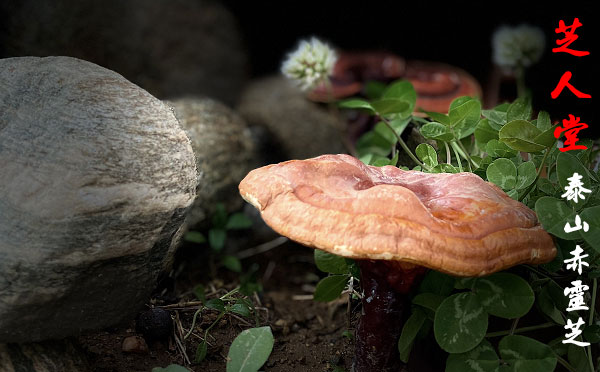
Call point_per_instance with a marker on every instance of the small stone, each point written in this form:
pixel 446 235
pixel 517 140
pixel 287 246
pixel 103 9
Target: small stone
pixel 134 344
pixel 155 324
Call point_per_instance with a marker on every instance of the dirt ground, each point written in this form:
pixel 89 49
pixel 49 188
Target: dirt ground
pixel 308 335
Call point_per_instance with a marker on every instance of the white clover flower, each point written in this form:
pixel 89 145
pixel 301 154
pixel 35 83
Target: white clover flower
pixel 310 64
pixel 519 46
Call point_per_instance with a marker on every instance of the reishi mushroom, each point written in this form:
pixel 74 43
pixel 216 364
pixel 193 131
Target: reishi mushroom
pixel 436 84
pixel 396 223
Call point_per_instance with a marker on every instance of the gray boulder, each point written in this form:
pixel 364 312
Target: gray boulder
pixel 96 178
pixel 301 128
pixel 225 152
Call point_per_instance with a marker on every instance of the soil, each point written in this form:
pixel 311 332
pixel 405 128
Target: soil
pixel 308 334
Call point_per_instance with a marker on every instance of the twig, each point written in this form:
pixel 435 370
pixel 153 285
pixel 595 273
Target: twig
pixel 302 297
pixel 262 248
pixel 177 333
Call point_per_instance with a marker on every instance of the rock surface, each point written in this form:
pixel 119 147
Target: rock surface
pixel 50 356
pixel 302 128
pixel 225 153
pixel 168 47
pixel 96 178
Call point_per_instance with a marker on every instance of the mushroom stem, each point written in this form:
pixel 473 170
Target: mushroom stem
pixel 385 286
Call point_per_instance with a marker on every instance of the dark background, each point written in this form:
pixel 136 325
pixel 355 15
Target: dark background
pixel 458 33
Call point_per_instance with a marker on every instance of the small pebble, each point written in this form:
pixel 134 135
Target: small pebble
pixel 135 344
pixel 154 324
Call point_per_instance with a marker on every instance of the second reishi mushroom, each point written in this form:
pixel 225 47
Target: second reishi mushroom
pixel 396 223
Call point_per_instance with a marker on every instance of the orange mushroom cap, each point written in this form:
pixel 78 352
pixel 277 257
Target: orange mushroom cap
pixel 454 223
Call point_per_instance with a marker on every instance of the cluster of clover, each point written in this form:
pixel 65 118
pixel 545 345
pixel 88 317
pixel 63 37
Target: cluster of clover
pixel 506 146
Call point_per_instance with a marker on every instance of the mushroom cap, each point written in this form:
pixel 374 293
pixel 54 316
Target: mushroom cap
pixel 454 223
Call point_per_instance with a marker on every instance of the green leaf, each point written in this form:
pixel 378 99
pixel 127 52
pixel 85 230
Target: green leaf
pixel 547 306
pixel 444 168
pixel 437 131
pixel 499 149
pixel 384 131
pixel 171 368
pixel 543 122
pixel 427 154
pixel 513 194
pixel 520 135
pixel 354 103
pixel 241 309
pixel 238 221
pixel 438 283
pixel 330 288
pixel 201 351
pixel 250 350
pixel 546 138
pixel 459 101
pixel 592 334
pixel 199 291
pixel 504 295
pixel 372 143
pixel 439 117
pixel 402 90
pixel 194 237
pixel 578 358
pixel 215 304
pixel 497 119
pixel 330 263
pixel 374 89
pixel 385 106
pixel 232 263
pixel 394 161
pixel 460 323
pixel 399 124
pixel 503 173
pixel 429 301
pixel 524 354
pixel 526 173
pixel 592 217
pixel 379 161
pixel 482 358
pixel 484 133
pixel 409 332
pixel 216 239
pixel 464 117
pixel 520 109
pixel 219 218
pixel 545 186
pixel 553 215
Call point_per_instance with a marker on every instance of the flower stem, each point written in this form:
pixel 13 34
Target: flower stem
pixel 448 155
pixel 520 330
pixel 537 176
pixel 403 144
pixel 460 144
pixel 564 363
pixel 460 168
